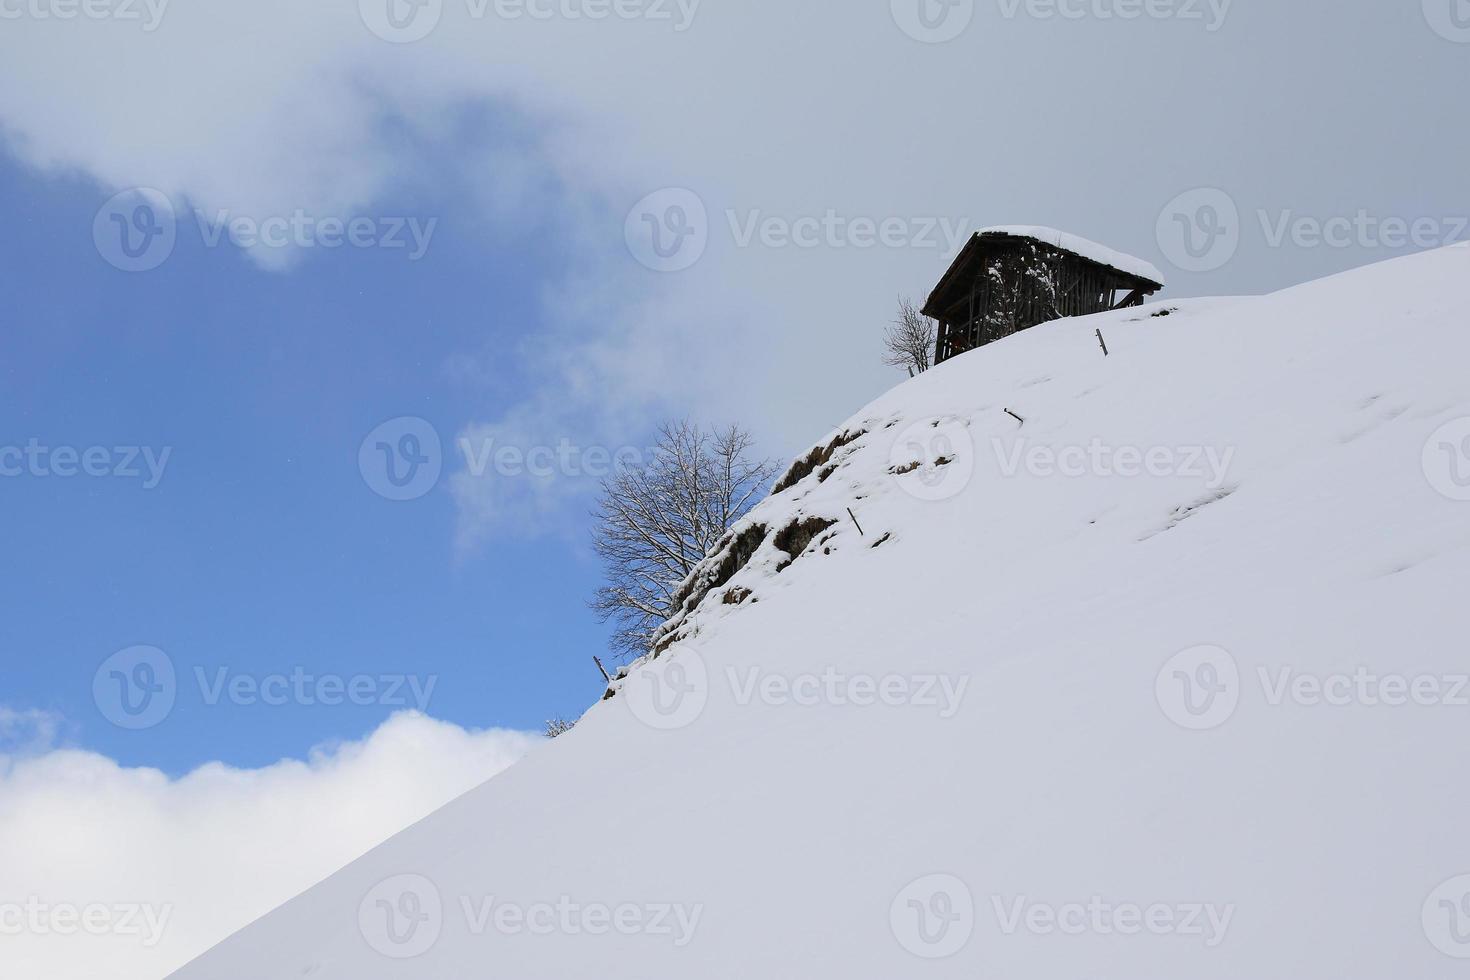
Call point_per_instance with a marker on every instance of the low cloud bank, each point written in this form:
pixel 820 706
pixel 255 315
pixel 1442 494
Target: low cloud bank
pixel 129 874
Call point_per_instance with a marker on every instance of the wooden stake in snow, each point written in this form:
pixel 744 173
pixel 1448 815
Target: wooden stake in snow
pixel 1015 416
pixel 1101 341
pixel 855 522
pixel 598 661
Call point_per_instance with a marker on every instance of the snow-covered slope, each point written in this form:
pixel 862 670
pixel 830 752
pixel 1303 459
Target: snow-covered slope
pixel 1059 723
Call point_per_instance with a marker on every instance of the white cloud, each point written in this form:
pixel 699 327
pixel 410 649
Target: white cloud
pixel 766 109
pixel 206 854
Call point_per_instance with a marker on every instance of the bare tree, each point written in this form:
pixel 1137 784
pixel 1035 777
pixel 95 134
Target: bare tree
pixel 558 726
pixel 908 342
pixel 656 521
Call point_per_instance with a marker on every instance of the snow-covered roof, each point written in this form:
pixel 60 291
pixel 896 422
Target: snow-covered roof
pixel 1121 261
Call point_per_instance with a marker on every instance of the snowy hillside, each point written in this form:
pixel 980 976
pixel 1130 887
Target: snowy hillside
pixel 1166 681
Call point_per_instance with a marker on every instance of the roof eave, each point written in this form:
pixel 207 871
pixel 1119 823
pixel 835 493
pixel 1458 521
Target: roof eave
pixel 1147 286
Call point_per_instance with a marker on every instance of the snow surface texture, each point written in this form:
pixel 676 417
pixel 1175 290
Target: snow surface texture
pixel 1060 723
pixel 1121 261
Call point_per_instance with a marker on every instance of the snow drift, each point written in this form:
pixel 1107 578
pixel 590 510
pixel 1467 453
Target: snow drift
pixel 1148 665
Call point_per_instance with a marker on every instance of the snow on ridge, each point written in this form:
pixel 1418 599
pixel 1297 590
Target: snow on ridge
pixel 979 703
pixel 1084 247
pixel 752 551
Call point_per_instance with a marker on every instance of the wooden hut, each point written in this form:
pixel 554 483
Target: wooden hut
pixel 1007 279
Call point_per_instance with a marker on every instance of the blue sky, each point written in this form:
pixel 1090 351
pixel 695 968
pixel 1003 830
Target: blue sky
pixel 528 319
pixel 825 157
pixel 262 548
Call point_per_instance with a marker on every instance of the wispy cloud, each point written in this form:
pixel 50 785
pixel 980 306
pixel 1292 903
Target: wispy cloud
pixel 26 732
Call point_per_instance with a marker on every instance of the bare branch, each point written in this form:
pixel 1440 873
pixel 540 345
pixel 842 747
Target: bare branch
pixel 908 342
pixel 654 524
